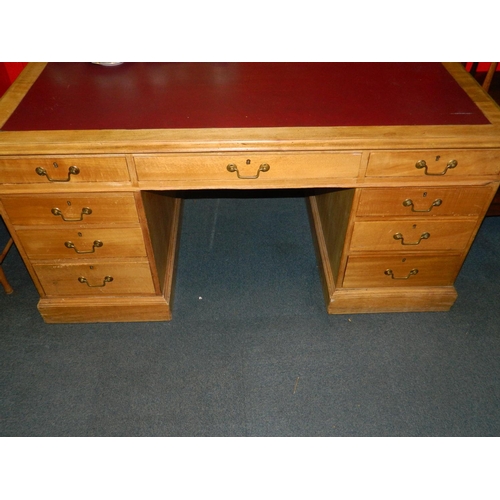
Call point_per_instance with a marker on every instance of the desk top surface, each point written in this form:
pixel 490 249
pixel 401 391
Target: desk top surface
pixel 84 96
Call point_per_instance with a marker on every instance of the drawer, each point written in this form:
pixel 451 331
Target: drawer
pixel 425 202
pixel 402 271
pixel 433 163
pixel 71 209
pixel 254 166
pixel 411 235
pixel 102 278
pixel 63 169
pixel 82 243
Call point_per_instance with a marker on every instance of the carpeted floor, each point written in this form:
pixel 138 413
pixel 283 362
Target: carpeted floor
pixel 251 350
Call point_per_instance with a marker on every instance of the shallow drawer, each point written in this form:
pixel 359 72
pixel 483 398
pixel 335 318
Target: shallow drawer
pixel 63 169
pixel 423 202
pixel 412 235
pixel 411 270
pixel 71 209
pixel 431 164
pixel 254 166
pixel 82 243
pixel 122 278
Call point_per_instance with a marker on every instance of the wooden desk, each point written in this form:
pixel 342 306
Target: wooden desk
pixel 404 160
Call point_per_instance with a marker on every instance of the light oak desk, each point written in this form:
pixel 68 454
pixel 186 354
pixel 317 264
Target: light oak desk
pixel 403 160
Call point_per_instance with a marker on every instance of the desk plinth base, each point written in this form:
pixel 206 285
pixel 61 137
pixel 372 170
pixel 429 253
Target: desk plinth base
pixel 355 301
pixel 100 311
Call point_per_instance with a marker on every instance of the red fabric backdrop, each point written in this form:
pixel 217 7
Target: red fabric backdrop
pixel 9 71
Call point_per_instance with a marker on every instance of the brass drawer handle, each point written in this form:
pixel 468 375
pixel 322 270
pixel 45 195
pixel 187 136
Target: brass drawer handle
pixel 423 236
pixel 97 244
pixel 389 272
pixel 85 211
pixel 107 279
pixel 409 203
pixel 423 164
pixel 73 170
pixel 233 168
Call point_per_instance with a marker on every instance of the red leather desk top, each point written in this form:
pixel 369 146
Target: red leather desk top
pixel 84 96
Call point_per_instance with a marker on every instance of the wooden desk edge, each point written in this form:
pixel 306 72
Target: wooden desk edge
pixel 249 139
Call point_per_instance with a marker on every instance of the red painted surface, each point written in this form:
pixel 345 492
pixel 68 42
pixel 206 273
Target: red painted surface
pixel 482 67
pixel 201 95
pixel 9 71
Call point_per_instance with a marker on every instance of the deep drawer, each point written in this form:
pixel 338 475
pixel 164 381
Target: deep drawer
pixel 433 163
pixel 252 166
pixel 71 209
pixel 16 170
pixel 397 271
pixel 411 235
pixel 423 202
pixel 82 243
pixel 101 278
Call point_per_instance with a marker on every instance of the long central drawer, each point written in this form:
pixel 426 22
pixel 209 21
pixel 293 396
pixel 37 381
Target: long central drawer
pixel 256 166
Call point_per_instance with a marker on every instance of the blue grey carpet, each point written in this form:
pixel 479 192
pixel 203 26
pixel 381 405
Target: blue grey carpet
pixel 251 350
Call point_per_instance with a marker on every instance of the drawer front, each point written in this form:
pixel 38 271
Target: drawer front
pixel 82 243
pixel 411 235
pixel 253 166
pixel 401 271
pixel 434 164
pixel 71 209
pixel 62 169
pixel 424 202
pixel 102 278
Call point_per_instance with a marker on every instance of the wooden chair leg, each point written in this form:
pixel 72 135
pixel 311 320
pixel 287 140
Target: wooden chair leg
pixel 3 278
pixel 489 76
pixel 4 282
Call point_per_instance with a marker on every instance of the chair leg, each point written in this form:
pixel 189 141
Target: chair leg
pixel 489 76
pixel 4 282
pixel 3 278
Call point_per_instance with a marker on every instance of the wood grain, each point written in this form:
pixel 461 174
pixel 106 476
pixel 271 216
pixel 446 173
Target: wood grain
pixel 111 209
pixel 130 179
pixel 14 170
pixel 50 243
pixel 129 278
pixel 442 234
